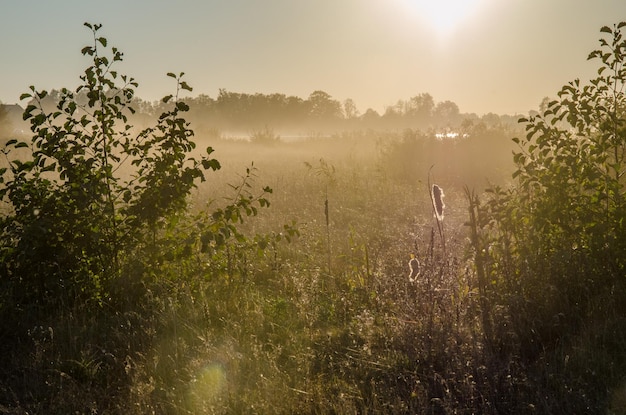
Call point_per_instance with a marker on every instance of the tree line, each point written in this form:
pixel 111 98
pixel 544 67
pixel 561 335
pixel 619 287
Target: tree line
pixel 245 113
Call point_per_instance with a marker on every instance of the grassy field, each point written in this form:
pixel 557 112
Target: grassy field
pixel 327 322
pixel 317 275
pixel 330 322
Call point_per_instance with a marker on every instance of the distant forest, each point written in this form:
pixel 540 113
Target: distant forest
pixel 242 114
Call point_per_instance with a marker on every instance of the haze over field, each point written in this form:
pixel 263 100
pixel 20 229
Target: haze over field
pixel 363 206
pixel 484 55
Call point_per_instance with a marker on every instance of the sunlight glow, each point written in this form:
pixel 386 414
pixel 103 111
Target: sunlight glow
pixel 206 388
pixel 444 16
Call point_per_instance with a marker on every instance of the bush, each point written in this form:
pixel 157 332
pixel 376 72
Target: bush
pixel 551 249
pixel 98 249
pixel 90 192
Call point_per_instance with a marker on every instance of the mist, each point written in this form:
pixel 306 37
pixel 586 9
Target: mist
pixel 271 253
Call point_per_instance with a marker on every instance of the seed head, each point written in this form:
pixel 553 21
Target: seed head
pixel 414 265
pixel 438 201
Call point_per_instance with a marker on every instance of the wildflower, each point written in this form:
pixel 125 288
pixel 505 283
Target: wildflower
pixel 438 201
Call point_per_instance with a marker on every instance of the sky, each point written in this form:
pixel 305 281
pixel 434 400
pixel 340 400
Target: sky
pixel 498 56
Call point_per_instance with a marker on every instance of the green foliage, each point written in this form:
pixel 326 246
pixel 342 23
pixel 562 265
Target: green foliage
pixel 129 287
pixel 570 173
pixel 100 251
pixel 551 250
pixel 90 192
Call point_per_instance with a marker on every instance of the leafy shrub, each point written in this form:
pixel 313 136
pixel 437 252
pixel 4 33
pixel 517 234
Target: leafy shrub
pixel 90 192
pixel 100 252
pixel 551 249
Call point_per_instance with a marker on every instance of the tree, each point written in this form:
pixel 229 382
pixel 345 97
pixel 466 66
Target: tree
pixel 447 112
pixel 552 249
pixel 323 107
pixel 370 118
pixel 90 193
pixel 350 110
pixel 421 107
pixel 571 162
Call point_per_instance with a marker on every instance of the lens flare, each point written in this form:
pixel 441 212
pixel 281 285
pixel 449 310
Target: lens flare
pixel 207 387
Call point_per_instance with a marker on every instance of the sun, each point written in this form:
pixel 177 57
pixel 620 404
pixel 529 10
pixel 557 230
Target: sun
pixel 444 16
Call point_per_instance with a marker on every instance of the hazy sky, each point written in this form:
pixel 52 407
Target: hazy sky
pixel 499 56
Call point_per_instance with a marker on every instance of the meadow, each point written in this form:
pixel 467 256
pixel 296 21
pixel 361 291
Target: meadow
pixel 325 323
pixel 322 275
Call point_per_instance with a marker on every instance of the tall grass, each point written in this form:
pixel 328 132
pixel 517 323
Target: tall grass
pixel 283 331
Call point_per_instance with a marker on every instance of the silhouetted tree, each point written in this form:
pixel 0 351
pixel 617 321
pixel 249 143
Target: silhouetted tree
pixel 349 108
pixel 447 114
pixel 323 107
pixel 421 107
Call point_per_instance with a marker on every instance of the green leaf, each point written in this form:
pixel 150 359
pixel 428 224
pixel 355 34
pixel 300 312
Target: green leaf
pixel 210 164
pixel 171 75
pixel 606 29
pixel 102 41
pixel 28 112
pixel 50 167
